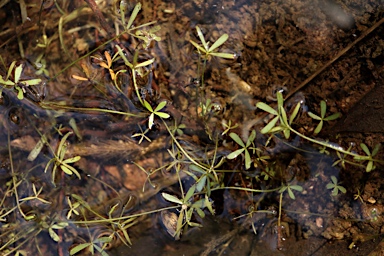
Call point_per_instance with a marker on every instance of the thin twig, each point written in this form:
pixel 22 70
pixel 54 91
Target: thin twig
pixel 341 53
pixel 329 63
pixel 99 16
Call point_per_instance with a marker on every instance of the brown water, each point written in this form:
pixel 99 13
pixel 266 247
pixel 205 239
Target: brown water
pixel 113 198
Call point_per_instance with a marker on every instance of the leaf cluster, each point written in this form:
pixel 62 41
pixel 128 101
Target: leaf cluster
pixel 369 158
pixel 245 147
pixel 281 122
pixel 155 112
pixel 322 117
pixel 16 82
pixel 188 207
pixel 207 50
pixel 289 188
pixel 280 115
pixel 335 186
pixel 58 160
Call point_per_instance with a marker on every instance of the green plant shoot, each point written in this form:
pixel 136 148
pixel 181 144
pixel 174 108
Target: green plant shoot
pixel 210 51
pixel 369 157
pixel 156 112
pixel 335 186
pixel 16 81
pixel 59 161
pixel 289 188
pixel 244 148
pixel 322 118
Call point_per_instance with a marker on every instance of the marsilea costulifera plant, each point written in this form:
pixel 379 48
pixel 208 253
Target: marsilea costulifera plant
pixel 206 52
pixel 282 123
pixel 204 169
pixel 322 117
pixel 248 145
pixel 16 82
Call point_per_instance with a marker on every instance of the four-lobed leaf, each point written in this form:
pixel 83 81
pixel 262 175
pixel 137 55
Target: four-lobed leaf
pixel 209 51
pixel 16 80
pixel 335 186
pixel 156 112
pixel 289 189
pixel 369 156
pixel 244 148
pixel 322 117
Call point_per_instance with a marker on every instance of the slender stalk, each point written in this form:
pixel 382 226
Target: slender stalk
pixel 106 220
pixel 325 144
pixel 15 185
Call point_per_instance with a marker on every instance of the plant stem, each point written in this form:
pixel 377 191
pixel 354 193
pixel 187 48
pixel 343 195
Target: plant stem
pixel 136 87
pixel 325 144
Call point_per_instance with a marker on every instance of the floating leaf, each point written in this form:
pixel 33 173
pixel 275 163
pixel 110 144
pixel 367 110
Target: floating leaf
pixel 291 194
pixel 196 168
pixel 151 120
pixel 223 55
pixel 145 63
pixel 171 198
pixel 266 108
pixel 323 109
pixel 190 193
pixel 160 106
pixel 251 138
pixel 32 81
pixel 332 117
pixel 78 248
pixel 270 125
pixel 235 154
pixel 319 127
pixel 201 37
pixel 37 149
pixel 283 115
pixel 66 170
pixel 201 184
pixel 294 113
pixel 247 160
pixel 296 187
pixel 342 189
pixel 18 71
pixel 10 69
pixel 53 235
pixel 133 15
pixel 200 213
pixel 20 93
pixel 365 149
pixel 6 82
pixel 314 116
pixel 162 115
pixel 370 166
pixel 237 139
pixel 334 179
pixel 218 42
pixel 376 149
pixel 280 100
pixel 199 48
pixel 72 159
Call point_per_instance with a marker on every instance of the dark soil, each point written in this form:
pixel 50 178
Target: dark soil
pixel 311 50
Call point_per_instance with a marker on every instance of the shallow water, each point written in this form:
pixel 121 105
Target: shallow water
pixel 53 202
